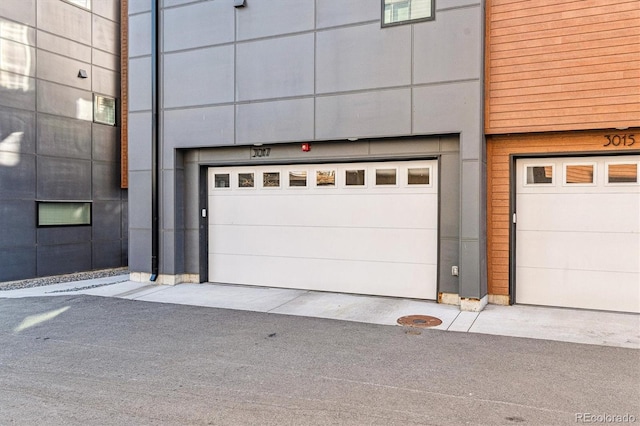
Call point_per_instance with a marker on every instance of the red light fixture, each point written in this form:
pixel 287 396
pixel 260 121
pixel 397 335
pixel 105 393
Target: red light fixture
pixel 306 147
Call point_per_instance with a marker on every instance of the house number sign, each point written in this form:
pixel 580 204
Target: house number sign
pixel 619 140
pixel 260 152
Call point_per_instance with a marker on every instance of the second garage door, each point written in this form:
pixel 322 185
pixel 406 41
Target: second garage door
pixel 366 228
pixel 578 232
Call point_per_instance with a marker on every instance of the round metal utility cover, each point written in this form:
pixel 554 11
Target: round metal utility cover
pixel 422 321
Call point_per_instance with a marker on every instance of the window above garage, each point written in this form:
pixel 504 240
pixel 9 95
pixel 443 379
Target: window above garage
pixel 397 12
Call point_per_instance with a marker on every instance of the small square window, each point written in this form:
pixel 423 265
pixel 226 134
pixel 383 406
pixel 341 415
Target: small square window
pixel 404 11
pixel 298 178
pixel 64 213
pixel 326 178
pixel 418 176
pixel 354 177
pixel 271 179
pixel 578 174
pixel 385 176
pixel 539 175
pixel 622 173
pixel 221 180
pixel 246 180
pixel 104 110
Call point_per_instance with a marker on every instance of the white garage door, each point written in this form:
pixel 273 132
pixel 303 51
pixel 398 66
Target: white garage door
pixel 578 232
pixel 367 228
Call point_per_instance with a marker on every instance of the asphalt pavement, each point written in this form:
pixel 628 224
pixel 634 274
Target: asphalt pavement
pixel 76 359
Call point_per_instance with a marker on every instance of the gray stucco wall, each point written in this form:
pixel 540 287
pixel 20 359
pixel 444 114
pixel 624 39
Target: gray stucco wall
pixel 283 71
pixel 49 147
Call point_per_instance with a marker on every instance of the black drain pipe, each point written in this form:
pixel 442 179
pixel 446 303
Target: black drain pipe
pixel 155 136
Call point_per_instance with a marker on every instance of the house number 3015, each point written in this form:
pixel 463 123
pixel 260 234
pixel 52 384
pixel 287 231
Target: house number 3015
pixel 619 140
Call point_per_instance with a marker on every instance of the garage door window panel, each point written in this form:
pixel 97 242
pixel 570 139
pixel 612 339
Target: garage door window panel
pixel 222 180
pixel 326 178
pixel 419 176
pixel 622 173
pixel 271 180
pixel 246 180
pixel 580 174
pixel 298 178
pixel 355 177
pixel 538 174
pixel 386 177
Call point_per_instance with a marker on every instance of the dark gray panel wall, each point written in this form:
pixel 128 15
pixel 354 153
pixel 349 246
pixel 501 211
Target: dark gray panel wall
pixel 49 147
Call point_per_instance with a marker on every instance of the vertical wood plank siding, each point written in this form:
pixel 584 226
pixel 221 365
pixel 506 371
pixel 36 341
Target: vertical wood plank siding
pixel 499 149
pixel 557 65
pixel 124 99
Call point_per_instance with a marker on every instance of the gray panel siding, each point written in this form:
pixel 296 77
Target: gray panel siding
pixel 452 45
pixel 369 114
pixel 274 17
pixel 331 13
pixel 17 131
pixel 64 19
pixel 211 68
pixel 18 179
pixel 62 70
pixel 63 258
pixel 363 57
pixel 275 68
pixel 17 220
pixel 210 23
pixel 278 121
pixel 64 137
pixel 64 179
pixel 199 127
pixel 17 263
pixel 23 11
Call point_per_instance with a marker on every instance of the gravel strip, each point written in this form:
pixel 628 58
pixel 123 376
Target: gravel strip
pixel 57 279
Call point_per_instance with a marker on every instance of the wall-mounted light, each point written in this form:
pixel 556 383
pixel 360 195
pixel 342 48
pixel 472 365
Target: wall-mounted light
pixel 239 3
pixel 82 74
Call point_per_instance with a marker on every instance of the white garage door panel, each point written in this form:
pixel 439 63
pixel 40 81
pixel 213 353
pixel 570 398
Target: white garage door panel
pixel 377 278
pixel 390 245
pixel 318 208
pixel 367 239
pixel 610 212
pixel 595 251
pixel 616 291
pixel 578 244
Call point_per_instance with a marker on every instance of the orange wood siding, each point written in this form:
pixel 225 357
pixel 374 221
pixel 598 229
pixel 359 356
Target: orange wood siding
pixel 124 98
pixel 499 149
pixel 555 65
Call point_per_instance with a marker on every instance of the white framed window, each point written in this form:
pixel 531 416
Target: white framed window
pixel 64 213
pixel 395 12
pixel 271 179
pixel 580 174
pixel 355 177
pixel 104 110
pixel 538 174
pixel 419 176
pixel 622 173
pixel 326 178
pixel 246 180
pixel 386 177
pixel 222 180
pixel 298 178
